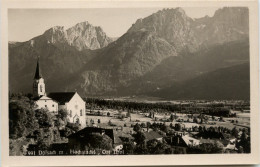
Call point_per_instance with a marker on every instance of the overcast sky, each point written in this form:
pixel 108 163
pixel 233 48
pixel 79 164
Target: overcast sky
pixel 24 24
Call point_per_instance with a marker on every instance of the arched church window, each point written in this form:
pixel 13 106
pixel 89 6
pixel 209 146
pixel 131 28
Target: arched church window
pixel 70 113
pixel 41 88
pixel 81 112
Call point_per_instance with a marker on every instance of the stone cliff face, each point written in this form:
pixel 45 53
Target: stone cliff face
pixel 86 36
pixel 81 36
pixel 157 51
pixel 173 25
pixel 227 24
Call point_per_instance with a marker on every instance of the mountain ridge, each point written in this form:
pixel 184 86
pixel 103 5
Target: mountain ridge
pixel 164 48
pixel 82 36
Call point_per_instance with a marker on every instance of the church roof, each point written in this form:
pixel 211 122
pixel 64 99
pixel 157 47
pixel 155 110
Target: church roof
pixel 62 97
pixel 38 74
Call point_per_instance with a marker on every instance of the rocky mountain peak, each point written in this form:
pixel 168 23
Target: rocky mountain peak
pixel 54 30
pixel 231 11
pixel 154 53
pixel 55 34
pixel 81 36
pixel 81 26
pixel 86 36
pixel 173 25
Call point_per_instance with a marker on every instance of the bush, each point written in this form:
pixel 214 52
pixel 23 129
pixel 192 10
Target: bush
pixel 108 114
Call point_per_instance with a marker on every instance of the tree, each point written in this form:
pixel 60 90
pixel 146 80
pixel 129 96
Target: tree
pixel 59 123
pixel 143 125
pixel 22 120
pixel 139 138
pixel 137 128
pixel 245 142
pixel 63 114
pixel 156 147
pixel 73 126
pixel 44 117
pixel 164 128
pixel 46 136
pixel 171 125
pixel 177 127
pixel 215 147
pixel 98 141
pixel 172 117
pixel 122 116
pixel 128 148
pixel 148 125
pixel 128 114
pixel 201 120
pixel 221 119
pixel 67 131
pixel 234 132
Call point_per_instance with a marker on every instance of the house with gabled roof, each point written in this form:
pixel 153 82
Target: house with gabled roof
pixel 75 139
pixel 55 101
pixel 152 135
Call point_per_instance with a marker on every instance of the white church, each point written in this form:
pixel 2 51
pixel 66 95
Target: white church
pixel 69 101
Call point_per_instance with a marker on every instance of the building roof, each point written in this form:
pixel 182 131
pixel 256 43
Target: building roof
pixel 38 74
pixel 190 140
pixel 207 141
pixel 152 135
pixel 91 130
pixel 123 134
pixel 42 97
pixel 61 97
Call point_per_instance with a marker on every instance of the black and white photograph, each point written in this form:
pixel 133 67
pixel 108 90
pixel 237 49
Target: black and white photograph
pixel 172 80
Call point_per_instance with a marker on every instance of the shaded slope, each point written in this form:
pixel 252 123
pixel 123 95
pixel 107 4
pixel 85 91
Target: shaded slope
pixel 226 83
pixel 130 57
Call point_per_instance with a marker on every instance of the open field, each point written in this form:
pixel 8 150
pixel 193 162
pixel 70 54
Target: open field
pixel 242 120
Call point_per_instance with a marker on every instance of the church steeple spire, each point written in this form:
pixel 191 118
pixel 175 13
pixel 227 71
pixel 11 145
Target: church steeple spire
pixel 38 82
pixel 38 74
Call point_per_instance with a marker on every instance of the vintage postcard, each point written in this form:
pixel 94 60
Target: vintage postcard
pixel 102 83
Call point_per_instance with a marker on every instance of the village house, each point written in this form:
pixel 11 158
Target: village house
pixel 75 140
pixel 152 135
pixel 190 141
pixel 68 101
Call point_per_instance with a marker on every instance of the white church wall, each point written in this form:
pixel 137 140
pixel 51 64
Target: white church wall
pixel 76 109
pixel 49 104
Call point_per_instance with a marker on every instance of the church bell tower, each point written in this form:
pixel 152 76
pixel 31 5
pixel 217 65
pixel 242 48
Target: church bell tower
pixel 38 82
